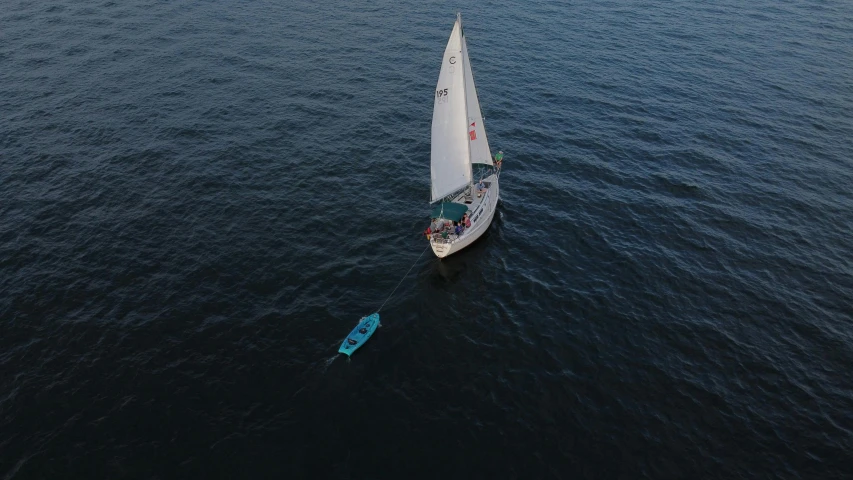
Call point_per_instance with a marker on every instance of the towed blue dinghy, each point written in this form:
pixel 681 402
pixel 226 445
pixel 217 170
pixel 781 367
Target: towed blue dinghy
pixel 359 334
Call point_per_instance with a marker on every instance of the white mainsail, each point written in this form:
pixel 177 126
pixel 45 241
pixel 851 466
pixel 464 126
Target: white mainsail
pixel 451 163
pixel 480 152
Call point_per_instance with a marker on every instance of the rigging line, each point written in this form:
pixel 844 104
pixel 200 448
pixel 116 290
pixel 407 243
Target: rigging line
pixel 404 277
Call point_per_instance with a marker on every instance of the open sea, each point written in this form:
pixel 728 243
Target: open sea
pixel 199 200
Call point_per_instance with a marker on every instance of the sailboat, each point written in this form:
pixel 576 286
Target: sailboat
pixel 462 210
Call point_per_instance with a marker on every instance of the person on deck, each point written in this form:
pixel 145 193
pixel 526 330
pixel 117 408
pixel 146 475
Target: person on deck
pixel 459 229
pixel 499 158
pixel 481 188
pixel 467 221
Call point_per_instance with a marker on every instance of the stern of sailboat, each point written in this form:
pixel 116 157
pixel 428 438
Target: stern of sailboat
pixel 441 250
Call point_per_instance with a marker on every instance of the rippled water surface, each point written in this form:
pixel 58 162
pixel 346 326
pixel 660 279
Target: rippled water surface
pixel 200 199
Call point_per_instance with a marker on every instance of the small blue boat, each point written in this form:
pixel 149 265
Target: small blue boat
pixel 360 334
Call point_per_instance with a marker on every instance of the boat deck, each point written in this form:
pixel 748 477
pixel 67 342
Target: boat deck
pixel 471 198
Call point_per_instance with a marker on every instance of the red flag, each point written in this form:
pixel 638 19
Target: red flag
pixel 473 134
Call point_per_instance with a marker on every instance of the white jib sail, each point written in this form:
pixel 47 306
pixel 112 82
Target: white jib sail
pixel 480 152
pixel 450 164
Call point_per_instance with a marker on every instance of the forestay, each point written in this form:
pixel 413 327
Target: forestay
pixel 450 160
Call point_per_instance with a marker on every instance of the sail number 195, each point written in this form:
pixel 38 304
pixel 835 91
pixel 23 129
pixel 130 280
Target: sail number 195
pixel 441 93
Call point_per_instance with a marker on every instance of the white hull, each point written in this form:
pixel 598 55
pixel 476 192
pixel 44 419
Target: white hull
pixel 483 213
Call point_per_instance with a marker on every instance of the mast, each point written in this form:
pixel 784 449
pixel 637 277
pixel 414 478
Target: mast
pixel 465 93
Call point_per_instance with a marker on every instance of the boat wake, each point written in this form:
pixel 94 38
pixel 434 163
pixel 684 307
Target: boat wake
pixel 328 362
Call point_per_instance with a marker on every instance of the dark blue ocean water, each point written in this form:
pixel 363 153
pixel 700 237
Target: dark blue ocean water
pixel 198 200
